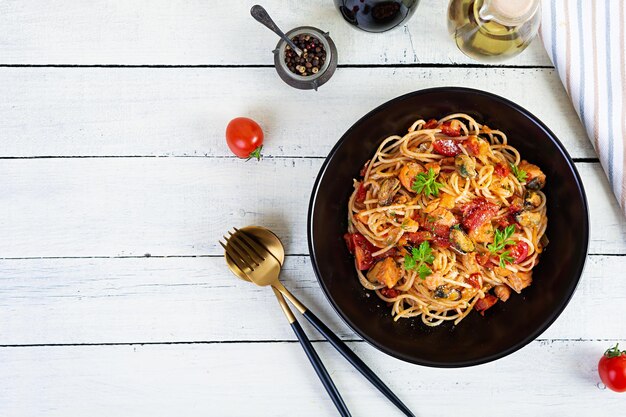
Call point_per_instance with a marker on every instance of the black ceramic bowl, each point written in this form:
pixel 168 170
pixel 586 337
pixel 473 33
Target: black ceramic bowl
pixel 507 326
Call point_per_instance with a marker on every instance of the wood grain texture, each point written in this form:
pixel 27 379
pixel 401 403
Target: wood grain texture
pixel 95 218
pixel 179 32
pixel 182 206
pixel 275 379
pixel 184 112
pixel 76 301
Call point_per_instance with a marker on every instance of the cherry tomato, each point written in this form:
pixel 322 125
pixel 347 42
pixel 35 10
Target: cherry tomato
pixel 519 251
pixel 612 369
pixel 244 137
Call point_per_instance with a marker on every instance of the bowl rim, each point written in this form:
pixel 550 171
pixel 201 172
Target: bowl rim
pixel 571 289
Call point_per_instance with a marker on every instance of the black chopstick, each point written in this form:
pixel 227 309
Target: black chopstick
pixel 320 369
pixel 355 361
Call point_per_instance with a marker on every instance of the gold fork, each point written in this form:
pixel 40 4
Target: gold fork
pixel 255 254
pixel 251 262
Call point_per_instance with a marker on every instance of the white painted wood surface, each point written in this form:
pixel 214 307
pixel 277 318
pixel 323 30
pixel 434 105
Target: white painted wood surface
pixel 155 296
pixel 194 32
pixel 102 166
pixel 547 378
pixel 184 111
pixel 60 207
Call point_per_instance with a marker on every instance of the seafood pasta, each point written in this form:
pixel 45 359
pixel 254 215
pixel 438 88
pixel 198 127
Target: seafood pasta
pixel 446 219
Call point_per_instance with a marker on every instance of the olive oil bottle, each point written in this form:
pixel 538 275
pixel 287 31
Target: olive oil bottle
pixel 493 30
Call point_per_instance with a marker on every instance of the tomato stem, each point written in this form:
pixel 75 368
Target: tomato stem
pixel 614 352
pixel 256 154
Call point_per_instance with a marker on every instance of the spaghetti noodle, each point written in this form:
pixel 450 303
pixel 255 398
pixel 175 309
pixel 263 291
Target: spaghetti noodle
pixel 446 219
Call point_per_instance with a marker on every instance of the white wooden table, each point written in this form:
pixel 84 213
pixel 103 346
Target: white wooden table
pixel 116 185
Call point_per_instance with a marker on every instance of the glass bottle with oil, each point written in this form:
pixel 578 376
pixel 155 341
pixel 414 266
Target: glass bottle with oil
pixel 493 30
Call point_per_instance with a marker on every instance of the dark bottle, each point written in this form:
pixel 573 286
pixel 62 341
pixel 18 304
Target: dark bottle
pixel 376 15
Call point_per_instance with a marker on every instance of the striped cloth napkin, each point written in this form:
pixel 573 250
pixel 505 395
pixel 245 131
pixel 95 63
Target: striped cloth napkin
pixel 586 42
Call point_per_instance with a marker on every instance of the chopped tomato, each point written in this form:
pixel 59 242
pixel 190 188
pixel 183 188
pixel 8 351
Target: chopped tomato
pixel 441 230
pixel 363 250
pixel 361 193
pixel 485 303
pixel 349 242
pixel 518 252
pixel 389 254
pixel 477 212
pixel 502 170
pixel 442 242
pixel 389 292
pixel 476 146
pixel 446 147
pixel 473 280
pixel 437 233
pixel 431 124
pixel 509 219
pixel 363 257
pixel 503 222
pixel 364 169
pixel 471 145
pixel 451 128
pixel 514 209
pixel 482 259
pixel 418 237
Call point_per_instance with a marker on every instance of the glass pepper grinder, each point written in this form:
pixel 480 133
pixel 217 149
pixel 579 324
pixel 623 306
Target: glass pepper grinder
pixel 493 30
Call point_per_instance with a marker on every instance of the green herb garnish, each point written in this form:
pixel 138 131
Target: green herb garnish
pixel 425 182
pixel 500 240
pixel 419 258
pixel 520 174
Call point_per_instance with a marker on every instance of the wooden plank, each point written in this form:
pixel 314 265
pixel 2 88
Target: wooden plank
pixel 182 206
pixel 198 299
pixel 195 33
pixel 184 112
pixel 545 378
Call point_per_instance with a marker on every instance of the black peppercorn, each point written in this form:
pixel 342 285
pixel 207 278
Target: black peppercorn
pixel 312 58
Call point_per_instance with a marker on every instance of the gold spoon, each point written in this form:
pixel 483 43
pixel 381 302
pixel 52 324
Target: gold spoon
pixel 255 254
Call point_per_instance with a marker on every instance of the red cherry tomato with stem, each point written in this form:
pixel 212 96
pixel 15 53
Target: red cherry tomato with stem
pixel 612 369
pixel 244 137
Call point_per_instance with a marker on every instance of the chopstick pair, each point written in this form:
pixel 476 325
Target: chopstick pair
pixel 342 348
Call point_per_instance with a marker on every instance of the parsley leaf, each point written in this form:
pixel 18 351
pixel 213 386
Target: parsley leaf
pixel 500 240
pixel 505 258
pixel 520 174
pixel 424 271
pixel 409 262
pixel 419 258
pixel 425 182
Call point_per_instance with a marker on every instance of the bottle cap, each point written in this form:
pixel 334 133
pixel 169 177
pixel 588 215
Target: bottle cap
pixel 510 12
